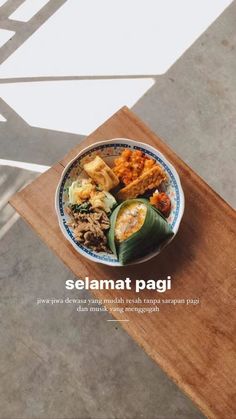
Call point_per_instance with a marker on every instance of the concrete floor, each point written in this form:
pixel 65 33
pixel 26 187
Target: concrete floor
pixel 56 364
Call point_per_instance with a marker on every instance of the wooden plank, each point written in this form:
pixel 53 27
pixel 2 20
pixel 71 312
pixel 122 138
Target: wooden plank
pixel 195 345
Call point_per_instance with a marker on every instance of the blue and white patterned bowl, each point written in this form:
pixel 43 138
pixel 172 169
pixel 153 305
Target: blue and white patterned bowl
pixel 109 150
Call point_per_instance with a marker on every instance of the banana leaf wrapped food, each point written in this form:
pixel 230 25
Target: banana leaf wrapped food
pixel 136 229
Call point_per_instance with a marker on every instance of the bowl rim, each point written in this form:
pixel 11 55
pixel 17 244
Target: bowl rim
pixel 124 141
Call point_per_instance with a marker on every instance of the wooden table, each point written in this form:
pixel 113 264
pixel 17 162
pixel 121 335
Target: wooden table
pixel 195 345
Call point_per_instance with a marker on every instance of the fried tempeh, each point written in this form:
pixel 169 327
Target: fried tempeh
pixel 148 180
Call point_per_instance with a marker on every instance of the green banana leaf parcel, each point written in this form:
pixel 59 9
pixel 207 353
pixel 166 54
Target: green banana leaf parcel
pixel 154 232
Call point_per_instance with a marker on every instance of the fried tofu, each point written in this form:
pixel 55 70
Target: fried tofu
pixel 101 173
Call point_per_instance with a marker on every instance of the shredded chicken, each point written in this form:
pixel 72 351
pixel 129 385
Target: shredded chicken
pixel 90 228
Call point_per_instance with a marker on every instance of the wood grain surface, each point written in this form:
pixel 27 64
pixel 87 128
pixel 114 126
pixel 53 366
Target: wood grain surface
pixel 195 345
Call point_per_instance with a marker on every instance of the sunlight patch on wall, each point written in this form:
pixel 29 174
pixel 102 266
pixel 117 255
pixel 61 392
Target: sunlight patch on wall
pixel 2 2
pixel 32 167
pixel 12 179
pixel 5 35
pixel 72 106
pixel 120 37
pixel 8 225
pixel 3 178
pixel 2 119
pixel 27 10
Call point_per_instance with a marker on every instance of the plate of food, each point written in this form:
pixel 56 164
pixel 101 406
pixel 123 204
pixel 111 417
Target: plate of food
pixel 119 202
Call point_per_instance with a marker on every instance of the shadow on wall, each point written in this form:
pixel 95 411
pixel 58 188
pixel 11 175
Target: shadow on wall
pixel 23 30
pixel 19 141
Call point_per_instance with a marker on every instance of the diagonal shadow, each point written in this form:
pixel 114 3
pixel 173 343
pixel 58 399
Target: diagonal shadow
pixel 9 7
pixel 23 30
pixel 20 141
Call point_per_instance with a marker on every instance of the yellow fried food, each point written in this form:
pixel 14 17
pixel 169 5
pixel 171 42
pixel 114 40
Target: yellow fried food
pixel 101 173
pixel 148 180
pixel 131 164
pixel 80 190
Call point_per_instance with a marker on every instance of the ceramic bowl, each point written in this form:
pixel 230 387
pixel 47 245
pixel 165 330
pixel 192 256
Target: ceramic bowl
pixel 108 151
